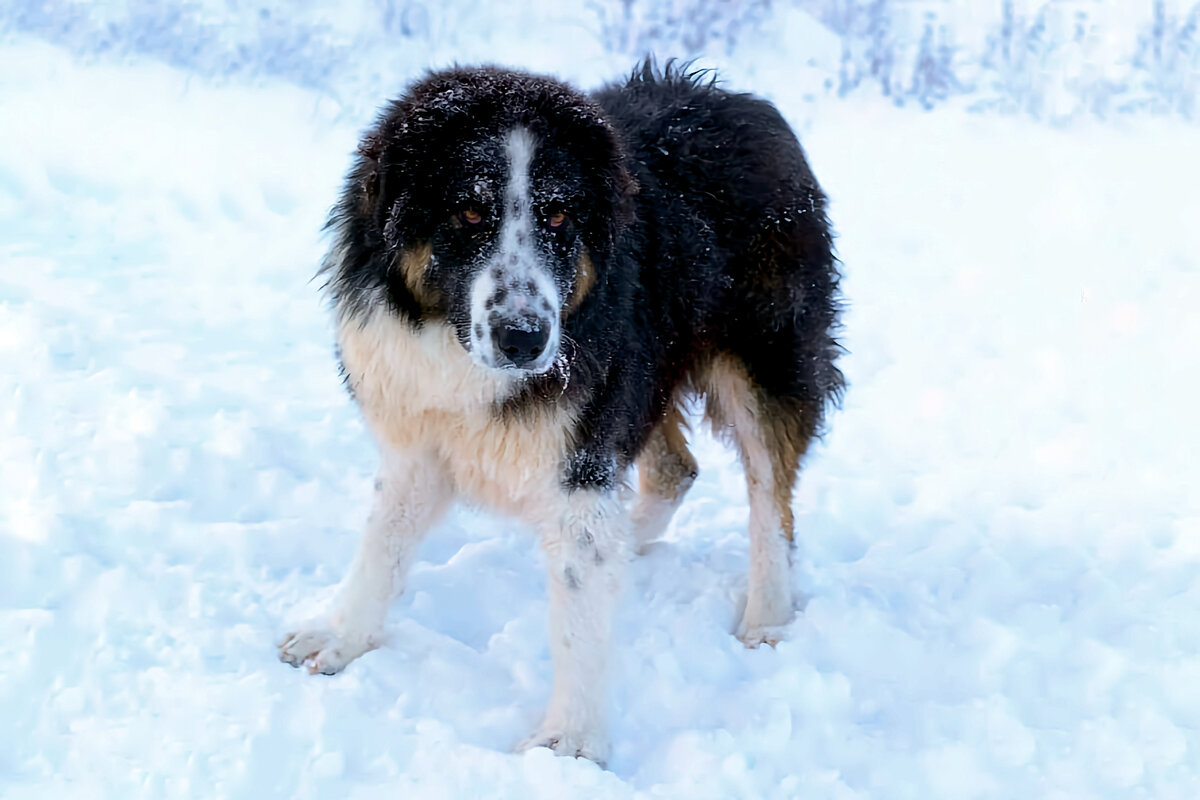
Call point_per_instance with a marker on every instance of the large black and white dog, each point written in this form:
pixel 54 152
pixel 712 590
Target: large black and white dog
pixel 529 283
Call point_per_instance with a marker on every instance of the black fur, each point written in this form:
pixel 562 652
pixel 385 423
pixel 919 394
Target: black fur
pixel 705 226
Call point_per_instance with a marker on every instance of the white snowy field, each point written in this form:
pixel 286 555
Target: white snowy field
pixel 999 540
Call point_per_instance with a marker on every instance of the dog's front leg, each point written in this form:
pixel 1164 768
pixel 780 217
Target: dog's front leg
pixel 586 552
pixel 411 493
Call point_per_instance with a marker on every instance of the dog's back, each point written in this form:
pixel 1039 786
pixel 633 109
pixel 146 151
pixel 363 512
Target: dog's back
pixel 733 240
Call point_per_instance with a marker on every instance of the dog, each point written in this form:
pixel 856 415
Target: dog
pixel 530 284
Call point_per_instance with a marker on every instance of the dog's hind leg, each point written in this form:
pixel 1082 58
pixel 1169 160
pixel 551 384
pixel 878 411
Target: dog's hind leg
pixel 411 493
pixel 771 434
pixel 666 470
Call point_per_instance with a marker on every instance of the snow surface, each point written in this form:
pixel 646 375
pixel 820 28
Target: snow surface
pixel 1000 538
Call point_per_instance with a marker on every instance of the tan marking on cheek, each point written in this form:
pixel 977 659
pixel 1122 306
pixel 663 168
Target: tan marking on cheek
pixel 585 279
pixel 413 262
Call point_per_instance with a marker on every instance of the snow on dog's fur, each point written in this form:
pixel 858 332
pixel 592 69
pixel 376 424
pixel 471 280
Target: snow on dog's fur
pixel 528 283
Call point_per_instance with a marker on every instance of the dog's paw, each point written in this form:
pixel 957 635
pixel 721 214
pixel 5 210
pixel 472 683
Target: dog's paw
pixel 581 744
pixel 753 635
pixel 316 646
pixel 767 615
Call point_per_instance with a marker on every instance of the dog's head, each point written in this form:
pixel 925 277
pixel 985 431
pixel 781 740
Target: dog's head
pixel 490 200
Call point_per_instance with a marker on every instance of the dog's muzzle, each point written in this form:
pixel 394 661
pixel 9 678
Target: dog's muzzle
pixel 519 340
pixel 514 323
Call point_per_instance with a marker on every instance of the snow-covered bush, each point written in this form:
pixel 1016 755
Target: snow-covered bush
pixel 1052 59
pixel 675 27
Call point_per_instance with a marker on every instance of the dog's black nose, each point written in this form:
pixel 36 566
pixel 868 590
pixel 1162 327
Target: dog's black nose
pixel 521 341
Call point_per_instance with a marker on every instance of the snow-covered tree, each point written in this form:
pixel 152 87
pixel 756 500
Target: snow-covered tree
pixel 933 77
pixel 1167 62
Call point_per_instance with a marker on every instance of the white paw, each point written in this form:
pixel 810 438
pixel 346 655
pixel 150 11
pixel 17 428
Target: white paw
pixel 577 744
pixel 754 635
pixel 318 647
pixel 765 623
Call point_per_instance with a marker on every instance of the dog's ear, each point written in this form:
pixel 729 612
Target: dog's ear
pixel 366 223
pixel 378 180
pixel 393 197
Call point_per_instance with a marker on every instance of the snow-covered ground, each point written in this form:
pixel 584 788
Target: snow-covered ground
pixel 999 539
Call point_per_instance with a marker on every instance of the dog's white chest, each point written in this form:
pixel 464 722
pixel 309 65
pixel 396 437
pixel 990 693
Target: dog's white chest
pixel 420 392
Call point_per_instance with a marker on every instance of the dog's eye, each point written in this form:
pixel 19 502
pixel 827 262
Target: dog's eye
pixel 555 218
pixel 471 215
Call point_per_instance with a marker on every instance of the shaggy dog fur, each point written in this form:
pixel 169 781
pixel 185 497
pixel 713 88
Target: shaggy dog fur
pixel 528 284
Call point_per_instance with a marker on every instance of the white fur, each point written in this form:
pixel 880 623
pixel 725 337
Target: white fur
pixel 515 264
pixel 587 544
pixel 770 605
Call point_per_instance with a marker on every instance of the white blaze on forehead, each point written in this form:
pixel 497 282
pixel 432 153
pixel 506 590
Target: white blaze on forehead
pixel 517 252
pixel 518 208
pixel 516 255
pixel 516 265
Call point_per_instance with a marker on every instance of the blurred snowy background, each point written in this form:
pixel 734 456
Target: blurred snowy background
pixel 1052 59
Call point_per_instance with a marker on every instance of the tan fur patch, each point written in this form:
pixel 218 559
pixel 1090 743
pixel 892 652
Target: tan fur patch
pixel 419 390
pixel 585 279
pixel 412 263
pixel 770 437
pixel 666 467
pixel 789 432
